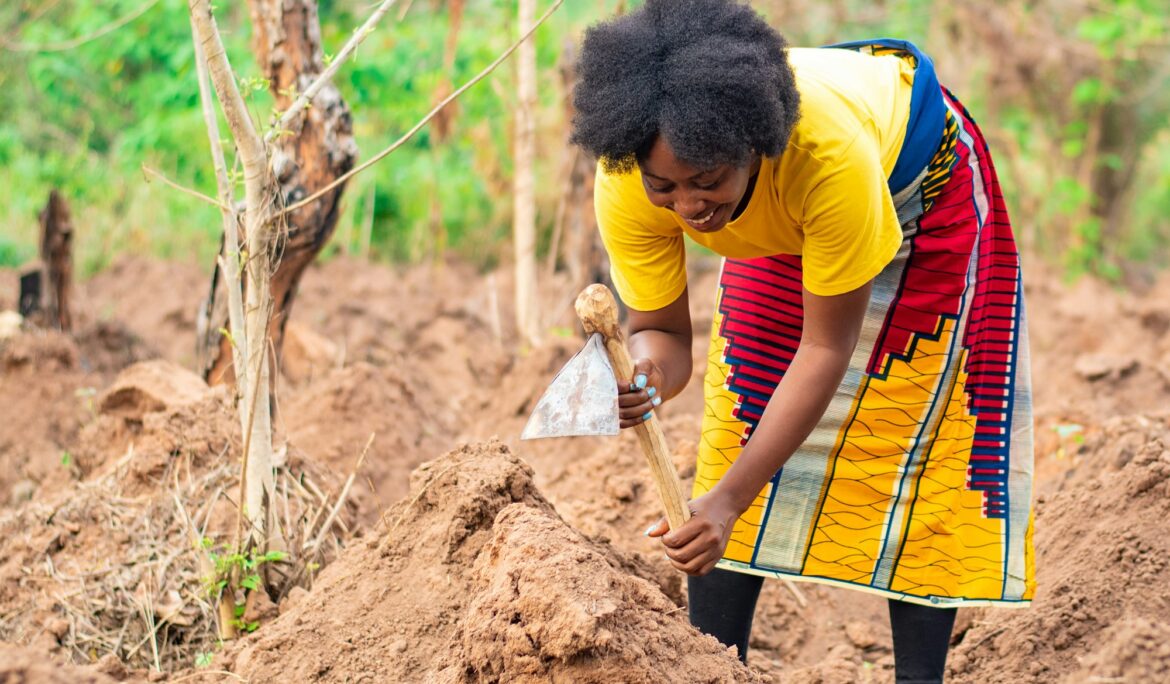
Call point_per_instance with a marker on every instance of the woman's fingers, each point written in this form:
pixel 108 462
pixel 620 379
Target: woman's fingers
pixel 699 565
pixel 638 396
pixel 635 407
pixel 699 547
pixel 695 548
pixel 659 528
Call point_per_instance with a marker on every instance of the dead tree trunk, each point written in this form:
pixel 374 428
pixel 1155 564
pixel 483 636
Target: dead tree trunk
pixel 46 292
pixel 320 147
pixel 524 199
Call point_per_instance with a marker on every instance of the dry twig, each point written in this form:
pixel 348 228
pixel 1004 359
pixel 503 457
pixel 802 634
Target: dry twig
pixel 148 172
pixel 82 40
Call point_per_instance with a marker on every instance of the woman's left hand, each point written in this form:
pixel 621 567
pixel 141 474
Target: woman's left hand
pixel 698 545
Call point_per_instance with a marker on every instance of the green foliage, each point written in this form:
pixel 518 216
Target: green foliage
pixel 86 120
pixel 235 570
pixel 12 253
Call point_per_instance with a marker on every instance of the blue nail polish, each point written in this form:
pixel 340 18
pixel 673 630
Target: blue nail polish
pixel 647 416
pixel 657 401
pixel 651 392
pixel 640 380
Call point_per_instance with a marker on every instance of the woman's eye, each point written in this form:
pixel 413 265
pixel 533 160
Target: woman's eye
pixel 706 186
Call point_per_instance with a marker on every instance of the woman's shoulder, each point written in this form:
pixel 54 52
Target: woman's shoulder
pixel 844 94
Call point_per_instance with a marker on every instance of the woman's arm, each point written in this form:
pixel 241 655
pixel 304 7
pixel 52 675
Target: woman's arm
pixel 660 344
pixel 831 328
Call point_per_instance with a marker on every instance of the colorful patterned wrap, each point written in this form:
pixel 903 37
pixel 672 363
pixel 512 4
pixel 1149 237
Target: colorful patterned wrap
pixel 917 482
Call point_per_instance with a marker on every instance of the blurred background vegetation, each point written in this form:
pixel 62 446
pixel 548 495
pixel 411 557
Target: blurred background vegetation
pixel 1074 96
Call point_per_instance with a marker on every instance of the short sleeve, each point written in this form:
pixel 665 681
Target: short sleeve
pixel 851 229
pixel 646 251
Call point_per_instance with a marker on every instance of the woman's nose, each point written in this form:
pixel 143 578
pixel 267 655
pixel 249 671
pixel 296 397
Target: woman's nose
pixel 688 205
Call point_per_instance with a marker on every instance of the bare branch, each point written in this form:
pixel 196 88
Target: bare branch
pixel 229 261
pixel 298 106
pixel 148 172
pixel 235 110
pixel 82 40
pixel 39 12
pixel 426 119
pixel 258 218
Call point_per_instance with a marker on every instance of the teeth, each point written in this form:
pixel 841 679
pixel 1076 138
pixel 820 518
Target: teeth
pixel 699 222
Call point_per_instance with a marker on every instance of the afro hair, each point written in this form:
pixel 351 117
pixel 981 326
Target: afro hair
pixel 709 75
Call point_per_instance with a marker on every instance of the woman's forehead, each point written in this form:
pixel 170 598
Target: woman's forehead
pixel 661 161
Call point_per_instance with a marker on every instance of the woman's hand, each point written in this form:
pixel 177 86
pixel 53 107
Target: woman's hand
pixel 698 545
pixel 639 395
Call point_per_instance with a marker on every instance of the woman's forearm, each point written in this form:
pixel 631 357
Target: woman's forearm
pixel 793 411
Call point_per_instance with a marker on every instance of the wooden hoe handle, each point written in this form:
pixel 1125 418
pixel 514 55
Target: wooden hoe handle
pixel 597 310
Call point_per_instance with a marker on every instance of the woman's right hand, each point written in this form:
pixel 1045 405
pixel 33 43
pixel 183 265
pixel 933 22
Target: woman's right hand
pixel 639 395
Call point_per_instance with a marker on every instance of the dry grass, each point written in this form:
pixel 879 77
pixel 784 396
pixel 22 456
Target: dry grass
pixel 133 579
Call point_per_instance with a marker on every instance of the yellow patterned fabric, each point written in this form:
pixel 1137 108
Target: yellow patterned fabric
pixel 916 484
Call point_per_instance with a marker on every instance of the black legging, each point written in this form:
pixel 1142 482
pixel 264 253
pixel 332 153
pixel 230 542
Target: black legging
pixel 722 604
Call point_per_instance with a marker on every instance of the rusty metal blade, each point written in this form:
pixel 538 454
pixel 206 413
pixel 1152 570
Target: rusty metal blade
pixel 582 399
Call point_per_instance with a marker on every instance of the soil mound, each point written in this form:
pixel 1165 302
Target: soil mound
pixel 1105 569
pixel 1133 650
pixel 150 300
pixel 116 561
pixel 150 387
pixel 331 420
pixel 474 577
pixel 1097 350
pixel 44 402
pixel 28 666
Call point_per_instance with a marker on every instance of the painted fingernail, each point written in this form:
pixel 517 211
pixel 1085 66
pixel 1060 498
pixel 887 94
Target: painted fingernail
pixel 657 401
pixel 647 416
pixel 640 380
pixel 651 392
pixel 648 531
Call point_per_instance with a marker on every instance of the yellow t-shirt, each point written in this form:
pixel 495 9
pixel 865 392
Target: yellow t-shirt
pixel 825 197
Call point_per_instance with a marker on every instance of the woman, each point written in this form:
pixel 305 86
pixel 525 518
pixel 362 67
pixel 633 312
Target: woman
pixel 868 420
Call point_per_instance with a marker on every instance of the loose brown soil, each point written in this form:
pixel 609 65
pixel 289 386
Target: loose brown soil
pixel 507 560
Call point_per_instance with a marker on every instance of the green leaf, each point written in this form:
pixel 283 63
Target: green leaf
pixel 273 557
pixel 1072 148
pixel 1088 91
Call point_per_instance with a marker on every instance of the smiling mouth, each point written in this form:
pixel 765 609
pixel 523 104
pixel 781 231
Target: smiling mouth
pixel 703 220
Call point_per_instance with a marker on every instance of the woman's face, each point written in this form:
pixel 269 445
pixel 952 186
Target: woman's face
pixel 705 198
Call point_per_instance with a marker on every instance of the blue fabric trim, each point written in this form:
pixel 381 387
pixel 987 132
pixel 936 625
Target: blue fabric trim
pixel 924 129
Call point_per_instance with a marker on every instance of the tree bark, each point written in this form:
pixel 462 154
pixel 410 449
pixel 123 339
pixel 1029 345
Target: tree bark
pixel 317 148
pixel 257 481
pixel 56 263
pixel 524 199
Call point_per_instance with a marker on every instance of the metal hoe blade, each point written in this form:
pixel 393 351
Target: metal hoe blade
pixel 582 399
